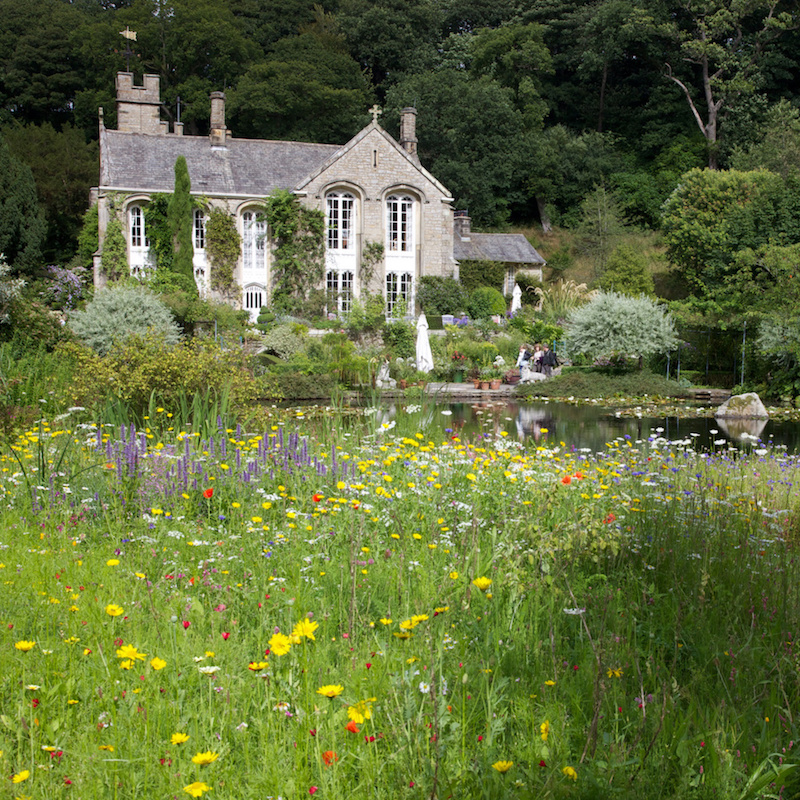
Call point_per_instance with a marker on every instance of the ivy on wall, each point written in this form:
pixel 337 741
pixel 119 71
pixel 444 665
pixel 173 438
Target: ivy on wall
pixel 482 273
pixel 223 246
pixel 114 258
pixel 299 256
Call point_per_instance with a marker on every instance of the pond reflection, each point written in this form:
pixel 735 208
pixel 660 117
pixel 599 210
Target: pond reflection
pixel 588 426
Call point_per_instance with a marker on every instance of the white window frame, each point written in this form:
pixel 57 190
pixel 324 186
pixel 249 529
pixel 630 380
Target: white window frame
pixel 339 286
pixel 136 227
pixel 399 287
pixel 254 242
pixel 254 297
pixel 400 223
pixel 340 212
pixel 199 229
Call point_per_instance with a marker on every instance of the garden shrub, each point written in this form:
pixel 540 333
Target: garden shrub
pixel 438 295
pixel 292 385
pixel 284 340
pixel 121 311
pixel 485 302
pixel 401 338
pixel 581 382
pixel 474 274
pixel 141 367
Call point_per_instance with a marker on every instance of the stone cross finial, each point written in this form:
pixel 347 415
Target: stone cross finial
pixel 375 111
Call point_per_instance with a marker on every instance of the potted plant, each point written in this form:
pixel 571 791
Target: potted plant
pixel 487 375
pixel 458 362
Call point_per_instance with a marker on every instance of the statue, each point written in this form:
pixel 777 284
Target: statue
pixel 383 381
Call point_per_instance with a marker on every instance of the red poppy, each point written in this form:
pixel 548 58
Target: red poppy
pixel 208 493
pixel 566 480
pixel 317 497
pixel 329 756
pixel 352 727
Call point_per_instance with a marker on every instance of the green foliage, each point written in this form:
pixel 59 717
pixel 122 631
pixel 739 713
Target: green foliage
pixel 64 167
pixel 612 324
pixel 119 312
pixel 22 223
pixel 366 315
pixel 581 382
pixel 283 341
pixel 627 272
pixel 180 221
pixel 266 319
pixel 778 148
pixel 309 88
pixel 485 302
pixel 400 338
pixel 473 274
pixel 599 228
pixel 162 248
pixel 223 247
pixel 713 215
pixel 439 295
pixel 114 256
pixel 141 368
pixel 528 283
pixel 89 238
pixel 298 233
pixel 371 257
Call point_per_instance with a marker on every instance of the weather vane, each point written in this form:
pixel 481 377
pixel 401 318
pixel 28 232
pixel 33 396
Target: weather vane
pixel 130 36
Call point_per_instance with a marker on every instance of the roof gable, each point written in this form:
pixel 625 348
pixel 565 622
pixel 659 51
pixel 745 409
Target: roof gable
pixel 360 139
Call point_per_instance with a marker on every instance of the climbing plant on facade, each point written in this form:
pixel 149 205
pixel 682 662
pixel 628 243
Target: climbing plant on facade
pixel 299 255
pixel 180 221
pixel 223 246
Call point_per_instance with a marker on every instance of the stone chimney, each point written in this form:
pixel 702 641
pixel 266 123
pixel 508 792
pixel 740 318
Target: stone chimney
pixel 139 107
pixel 462 223
pixel 408 130
pixel 219 133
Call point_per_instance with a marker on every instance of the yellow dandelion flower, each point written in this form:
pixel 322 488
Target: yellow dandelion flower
pixel 280 644
pixel 503 766
pixel 114 610
pixel 196 789
pixel 157 663
pixel 179 738
pixel 570 773
pixel 482 583
pixel 24 646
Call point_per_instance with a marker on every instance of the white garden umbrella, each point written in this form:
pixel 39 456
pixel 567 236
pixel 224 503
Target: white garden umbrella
pixel 516 298
pixel 424 354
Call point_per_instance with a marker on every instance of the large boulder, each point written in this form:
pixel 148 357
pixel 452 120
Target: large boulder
pixel 742 406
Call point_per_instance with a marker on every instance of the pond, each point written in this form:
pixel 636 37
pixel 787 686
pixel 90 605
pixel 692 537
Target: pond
pixel 588 425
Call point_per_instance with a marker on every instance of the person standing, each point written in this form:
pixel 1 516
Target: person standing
pixel 548 361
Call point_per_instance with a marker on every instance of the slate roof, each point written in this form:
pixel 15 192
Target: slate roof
pixel 245 167
pixel 511 248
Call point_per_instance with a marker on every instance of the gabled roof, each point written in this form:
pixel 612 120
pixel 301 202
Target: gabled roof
pixel 511 248
pixel 244 167
pixel 361 135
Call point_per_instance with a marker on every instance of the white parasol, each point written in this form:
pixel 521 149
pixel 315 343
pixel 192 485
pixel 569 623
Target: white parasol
pixel 424 354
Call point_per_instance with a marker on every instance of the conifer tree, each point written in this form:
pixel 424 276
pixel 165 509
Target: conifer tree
pixel 179 219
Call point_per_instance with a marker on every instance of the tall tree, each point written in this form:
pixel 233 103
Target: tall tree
pixel 22 224
pixel 180 219
pixel 64 167
pixel 309 89
pixel 722 42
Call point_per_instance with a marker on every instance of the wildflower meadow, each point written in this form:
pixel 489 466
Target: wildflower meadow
pixel 336 608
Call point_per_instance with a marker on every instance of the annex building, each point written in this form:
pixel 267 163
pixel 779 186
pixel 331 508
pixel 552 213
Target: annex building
pixel 372 190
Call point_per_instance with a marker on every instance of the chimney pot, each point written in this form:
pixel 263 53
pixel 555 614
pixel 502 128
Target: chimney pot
pixel 408 130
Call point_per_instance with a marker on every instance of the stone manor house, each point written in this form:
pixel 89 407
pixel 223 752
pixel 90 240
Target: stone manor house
pixel 372 189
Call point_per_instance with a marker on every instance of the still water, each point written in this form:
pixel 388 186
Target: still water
pixel 590 426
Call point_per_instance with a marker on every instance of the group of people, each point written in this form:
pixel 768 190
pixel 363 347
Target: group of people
pixel 538 361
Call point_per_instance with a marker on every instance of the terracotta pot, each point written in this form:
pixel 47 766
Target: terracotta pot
pixel 476 383
pixel 402 383
pixel 485 385
pixel 495 384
